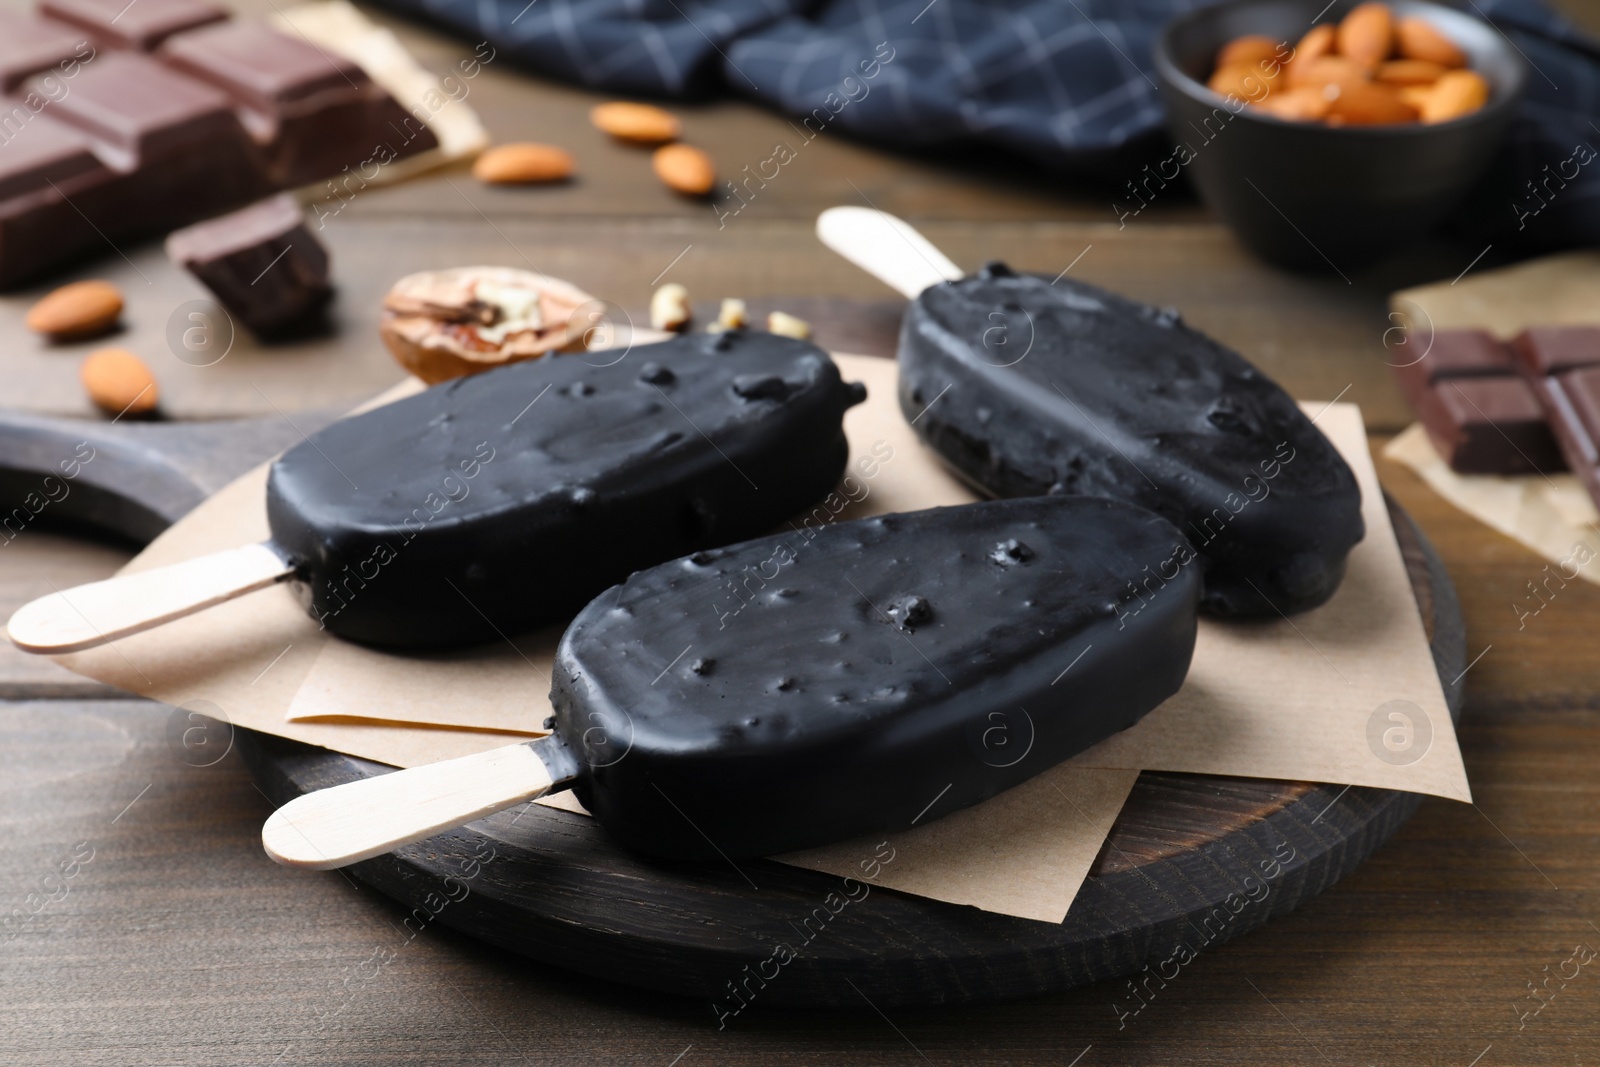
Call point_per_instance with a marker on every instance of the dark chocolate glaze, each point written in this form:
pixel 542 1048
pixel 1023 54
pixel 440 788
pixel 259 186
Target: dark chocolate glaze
pixel 868 675
pixel 1028 387
pixel 504 501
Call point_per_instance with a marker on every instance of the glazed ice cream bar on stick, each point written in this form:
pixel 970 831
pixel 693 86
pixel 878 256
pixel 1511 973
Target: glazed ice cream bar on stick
pixel 1027 386
pixel 504 501
pixel 811 686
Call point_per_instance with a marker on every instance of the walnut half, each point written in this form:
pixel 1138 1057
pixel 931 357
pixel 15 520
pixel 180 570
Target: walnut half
pixel 444 324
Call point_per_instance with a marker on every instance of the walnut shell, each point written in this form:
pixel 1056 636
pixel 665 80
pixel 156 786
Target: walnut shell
pixel 445 324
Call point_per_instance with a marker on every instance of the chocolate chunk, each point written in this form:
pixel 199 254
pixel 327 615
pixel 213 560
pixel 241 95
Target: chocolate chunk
pixel 139 25
pixel 470 510
pixel 1479 412
pixel 43 152
pixel 1489 425
pixel 262 262
pixel 312 111
pixel 31 46
pixel 1572 404
pixel 1027 387
pixel 1454 354
pixel 1553 349
pixel 867 727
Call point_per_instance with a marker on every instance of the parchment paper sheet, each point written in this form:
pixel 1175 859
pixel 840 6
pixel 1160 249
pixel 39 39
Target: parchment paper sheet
pixel 1302 699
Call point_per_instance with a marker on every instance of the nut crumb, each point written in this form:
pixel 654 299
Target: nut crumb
pixel 669 307
pixel 785 325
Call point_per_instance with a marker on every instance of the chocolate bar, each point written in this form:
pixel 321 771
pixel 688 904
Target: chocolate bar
pixel 1479 411
pixel 262 262
pixel 122 121
pixel 31 46
pixel 1563 363
pixel 140 25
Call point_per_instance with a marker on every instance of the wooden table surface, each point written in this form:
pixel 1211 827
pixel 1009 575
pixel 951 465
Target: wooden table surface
pixel 175 941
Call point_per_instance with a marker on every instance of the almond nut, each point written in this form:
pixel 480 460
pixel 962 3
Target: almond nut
pixel 118 382
pixel 1332 70
pixel 1306 103
pixel 1366 36
pixel 1248 51
pixel 1420 40
pixel 639 123
pixel 1368 104
pixel 522 163
pixel 1457 93
pixel 684 169
pixel 669 307
pixel 1252 83
pixel 1408 72
pixel 82 309
pixel 1312 47
pixel 1416 95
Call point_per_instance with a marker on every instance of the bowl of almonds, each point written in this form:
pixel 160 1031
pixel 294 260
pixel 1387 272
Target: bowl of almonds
pixel 1328 136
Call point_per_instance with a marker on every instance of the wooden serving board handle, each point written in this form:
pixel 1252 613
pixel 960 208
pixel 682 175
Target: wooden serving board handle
pixel 886 247
pixel 359 820
pixel 98 613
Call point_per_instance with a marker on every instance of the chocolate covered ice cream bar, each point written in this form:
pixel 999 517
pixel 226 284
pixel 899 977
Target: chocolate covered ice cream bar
pixel 887 672
pixel 1030 387
pixel 491 505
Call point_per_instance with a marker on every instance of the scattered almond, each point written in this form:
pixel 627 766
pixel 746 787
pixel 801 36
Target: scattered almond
pixel 82 309
pixel 1368 104
pixel 639 123
pixel 669 307
pixel 119 382
pixel 523 163
pixel 785 325
pixel 684 169
pixel 1418 39
pixel 1366 35
pixel 1408 72
pixel 1247 51
pixel 1312 47
pixel 1457 93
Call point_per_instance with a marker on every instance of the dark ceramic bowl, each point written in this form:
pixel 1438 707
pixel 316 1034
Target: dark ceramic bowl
pixel 1308 196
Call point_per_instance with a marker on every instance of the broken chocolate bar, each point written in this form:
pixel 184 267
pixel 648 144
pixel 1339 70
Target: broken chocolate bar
pixel 1480 413
pixel 122 121
pixel 30 46
pixel 1563 363
pixel 262 263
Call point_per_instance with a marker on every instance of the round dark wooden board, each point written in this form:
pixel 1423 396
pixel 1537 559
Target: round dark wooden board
pixel 551 886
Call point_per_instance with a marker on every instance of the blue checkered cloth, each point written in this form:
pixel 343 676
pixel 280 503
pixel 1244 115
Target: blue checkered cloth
pixel 1066 83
